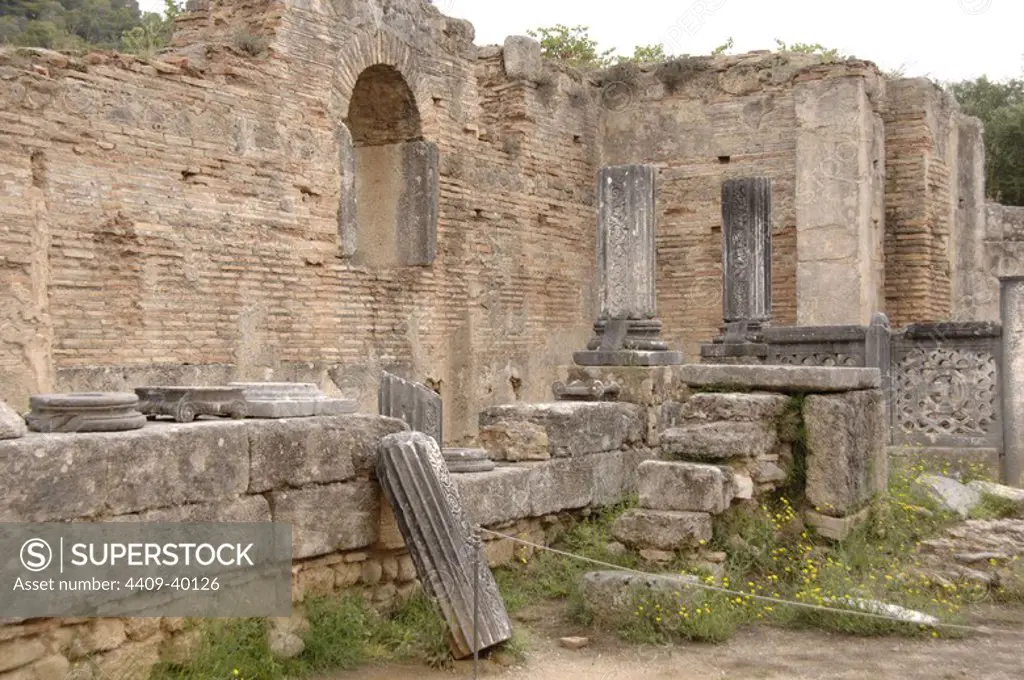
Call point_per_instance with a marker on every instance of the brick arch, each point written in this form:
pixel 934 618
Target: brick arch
pixel 366 50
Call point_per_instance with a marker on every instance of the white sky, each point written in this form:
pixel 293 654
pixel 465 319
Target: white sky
pixel 943 39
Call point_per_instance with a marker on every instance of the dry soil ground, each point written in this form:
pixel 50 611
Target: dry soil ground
pixel 760 653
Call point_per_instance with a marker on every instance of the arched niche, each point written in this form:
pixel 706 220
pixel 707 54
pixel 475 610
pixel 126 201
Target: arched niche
pixel 389 201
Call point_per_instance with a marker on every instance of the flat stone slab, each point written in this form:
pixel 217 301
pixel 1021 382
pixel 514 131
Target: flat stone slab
pixel 790 379
pixel 734 406
pixel 85 412
pixel 612 595
pixel 662 529
pixel 627 357
pixel 720 440
pixel 575 428
pixel 290 400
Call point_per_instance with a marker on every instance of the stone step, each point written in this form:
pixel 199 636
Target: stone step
pixel 685 486
pixel 720 440
pixel 734 406
pixel 662 529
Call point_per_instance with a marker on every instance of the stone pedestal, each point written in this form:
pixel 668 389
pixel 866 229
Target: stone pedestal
pixel 626 332
pixel 290 400
pixel 467 460
pixel 86 412
pixel 746 272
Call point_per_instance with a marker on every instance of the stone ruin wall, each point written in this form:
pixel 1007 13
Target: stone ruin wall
pixel 185 220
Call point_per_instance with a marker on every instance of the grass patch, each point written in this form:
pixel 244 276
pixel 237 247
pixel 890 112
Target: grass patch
pixel 996 507
pixel 343 634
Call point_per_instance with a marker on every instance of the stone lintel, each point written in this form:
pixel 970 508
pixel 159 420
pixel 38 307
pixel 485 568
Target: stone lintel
pixel 781 378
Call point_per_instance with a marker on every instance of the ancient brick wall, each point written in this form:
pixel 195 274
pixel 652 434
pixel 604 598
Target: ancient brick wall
pixel 920 200
pixel 185 213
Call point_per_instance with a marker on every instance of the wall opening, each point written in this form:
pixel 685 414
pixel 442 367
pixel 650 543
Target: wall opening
pixel 395 173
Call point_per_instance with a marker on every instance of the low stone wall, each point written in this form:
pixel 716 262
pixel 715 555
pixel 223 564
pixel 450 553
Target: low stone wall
pixel 314 473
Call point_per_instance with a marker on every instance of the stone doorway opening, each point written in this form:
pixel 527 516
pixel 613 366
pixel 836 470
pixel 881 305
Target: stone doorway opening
pixel 396 182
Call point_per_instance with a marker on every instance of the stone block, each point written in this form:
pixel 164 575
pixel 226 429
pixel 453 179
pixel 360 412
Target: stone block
pixel 643 385
pixel 12 425
pixel 245 510
pixel 67 476
pixel 515 441
pixel 735 406
pixel 627 357
pixel 53 667
pixel 416 230
pixel 847 463
pixel 613 475
pixel 719 440
pixel 390 535
pixel 662 529
pixel 303 451
pixel 562 484
pixel 521 58
pixel 1008 493
pixel 20 652
pixel 744 486
pixel 836 528
pixel 575 428
pixel 611 596
pixel 329 518
pixel 788 379
pixel 949 494
pixel 685 486
pixel 767 472
pixel 495 497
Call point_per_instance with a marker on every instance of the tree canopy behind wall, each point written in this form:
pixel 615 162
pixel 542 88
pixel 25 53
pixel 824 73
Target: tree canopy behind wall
pixel 1000 106
pixel 77 25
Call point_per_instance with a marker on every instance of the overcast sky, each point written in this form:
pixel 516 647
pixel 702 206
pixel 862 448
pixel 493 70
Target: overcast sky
pixel 942 39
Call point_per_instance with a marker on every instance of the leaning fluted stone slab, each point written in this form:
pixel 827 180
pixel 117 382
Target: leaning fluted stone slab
pixel 12 425
pixel 85 412
pixel 467 460
pixel 416 404
pixel 416 482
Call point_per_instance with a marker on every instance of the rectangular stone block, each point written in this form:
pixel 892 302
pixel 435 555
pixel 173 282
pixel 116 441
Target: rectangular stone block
pixel 662 529
pixel 685 486
pixel 67 476
pixel 494 497
pixel 245 510
pixel 719 440
pixel 294 453
pixel 416 231
pixel 562 484
pixel 515 441
pixel 575 428
pixel 847 462
pixel 643 385
pixel 330 518
pixel 735 406
pixel 789 379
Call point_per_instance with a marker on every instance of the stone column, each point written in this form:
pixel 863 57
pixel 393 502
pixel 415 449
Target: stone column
pixel 626 332
pixel 746 272
pixel 878 354
pixel 1011 377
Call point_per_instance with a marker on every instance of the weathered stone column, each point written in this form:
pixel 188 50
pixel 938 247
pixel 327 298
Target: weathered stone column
pixel 878 354
pixel 1011 375
pixel 626 332
pixel 746 272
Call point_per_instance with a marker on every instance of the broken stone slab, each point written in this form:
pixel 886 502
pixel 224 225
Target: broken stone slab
pixel 584 390
pixel 515 441
pixel 662 529
pixel 290 400
pixel 575 428
pixel 419 406
pixel 12 425
pixel 735 406
pixel 685 486
pixel 847 458
pixel 186 403
pixel 467 460
pixel 720 440
pixel 1009 493
pixel 892 610
pixel 449 558
pixel 85 412
pixel 949 494
pixel 612 596
pixel 788 379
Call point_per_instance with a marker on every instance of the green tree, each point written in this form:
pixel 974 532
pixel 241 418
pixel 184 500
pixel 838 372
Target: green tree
pixel 723 48
pixel 153 33
pixel 571 45
pixel 645 54
pixel 1000 106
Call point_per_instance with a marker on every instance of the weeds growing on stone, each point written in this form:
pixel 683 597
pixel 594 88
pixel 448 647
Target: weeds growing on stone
pixel 996 507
